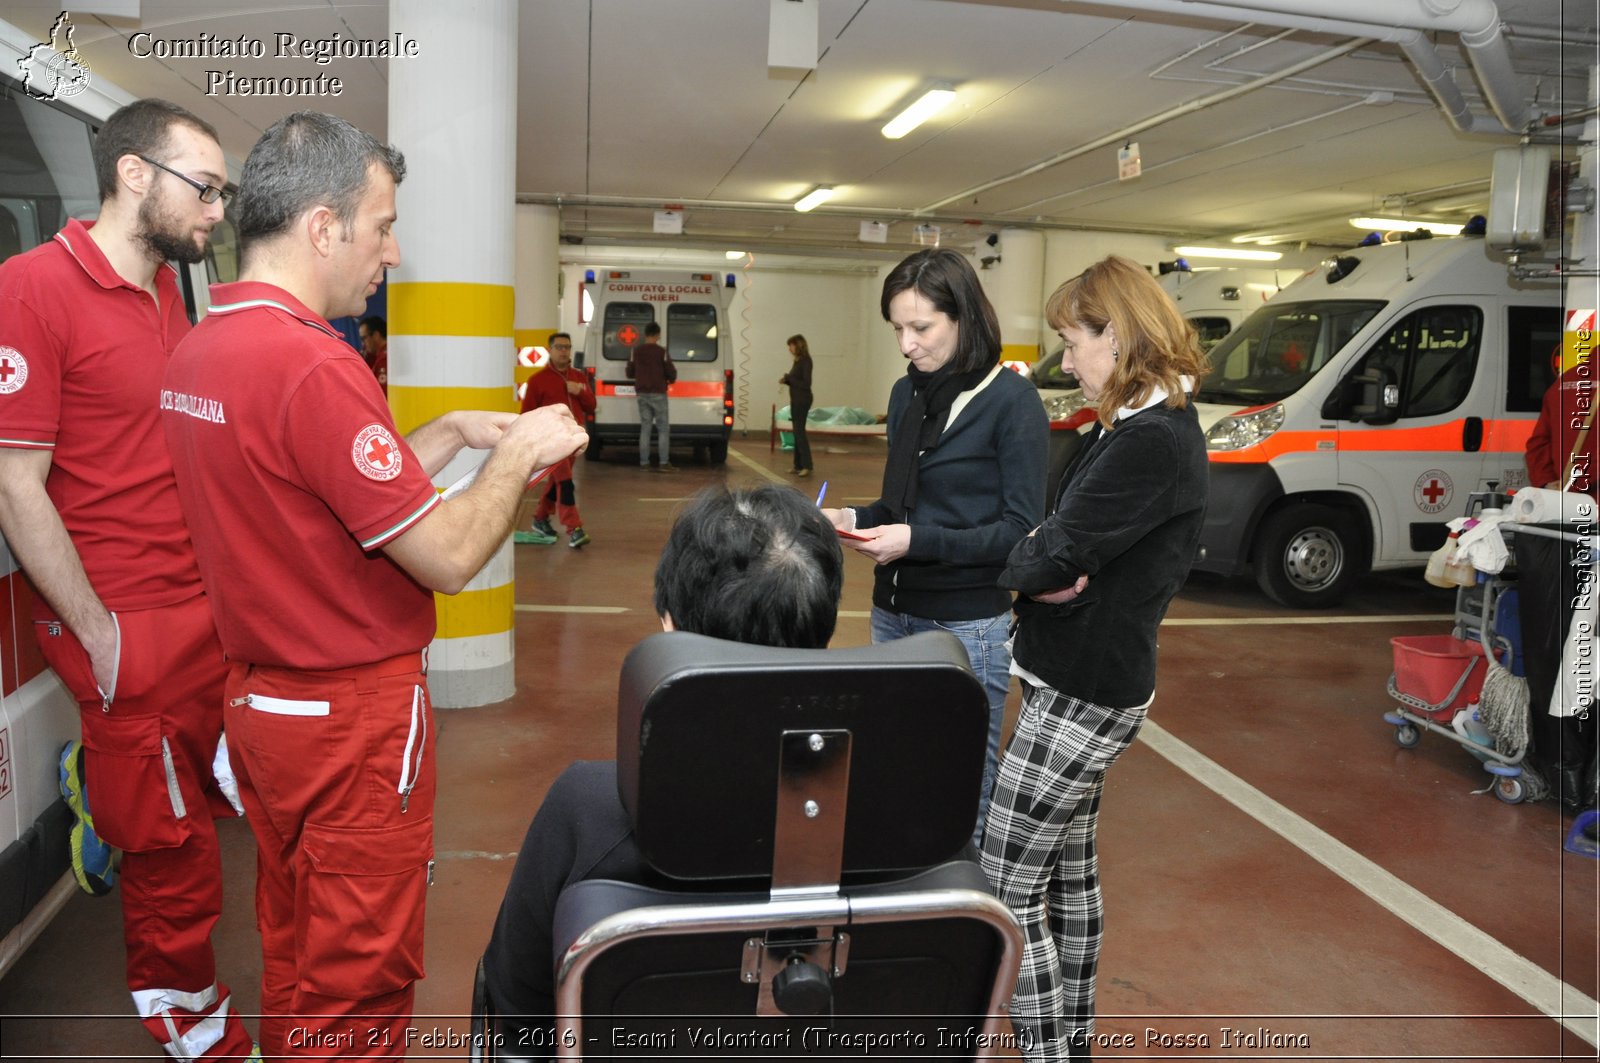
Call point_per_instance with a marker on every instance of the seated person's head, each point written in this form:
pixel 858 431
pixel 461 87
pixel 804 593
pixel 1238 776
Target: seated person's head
pixel 759 565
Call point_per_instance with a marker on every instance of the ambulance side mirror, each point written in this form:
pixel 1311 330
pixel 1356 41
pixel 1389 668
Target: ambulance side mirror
pixel 1373 396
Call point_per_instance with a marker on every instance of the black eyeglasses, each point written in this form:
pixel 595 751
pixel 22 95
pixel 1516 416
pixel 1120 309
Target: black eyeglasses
pixel 208 193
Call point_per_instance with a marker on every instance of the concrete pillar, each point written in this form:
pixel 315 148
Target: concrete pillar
pixel 450 301
pixel 1014 283
pixel 538 281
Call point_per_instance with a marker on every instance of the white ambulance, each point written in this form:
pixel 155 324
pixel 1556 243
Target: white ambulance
pixel 692 310
pixel 1353 414
pixel 1216 301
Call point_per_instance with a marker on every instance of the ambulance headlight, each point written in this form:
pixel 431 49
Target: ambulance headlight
pixel 1060 407
pixel 1245 428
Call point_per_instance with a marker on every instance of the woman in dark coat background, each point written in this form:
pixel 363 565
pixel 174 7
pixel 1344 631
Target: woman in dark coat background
pixel 799 380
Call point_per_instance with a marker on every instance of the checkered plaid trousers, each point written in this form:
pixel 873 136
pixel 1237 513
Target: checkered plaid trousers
pixel 1039 854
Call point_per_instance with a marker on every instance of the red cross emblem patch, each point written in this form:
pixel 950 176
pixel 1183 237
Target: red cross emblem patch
pixel 1433 490
pixel 375 453
pixel 13 370
pixel 627 335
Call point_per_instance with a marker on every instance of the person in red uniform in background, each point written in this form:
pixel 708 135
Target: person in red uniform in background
pixel 374 333
pixel 558 385
pixel 1563 417
pixel 90 510
pixel 321 540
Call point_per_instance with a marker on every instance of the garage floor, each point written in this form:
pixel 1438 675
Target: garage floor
pixel 1281 879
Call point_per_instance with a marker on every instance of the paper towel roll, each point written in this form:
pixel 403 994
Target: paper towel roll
pixel 1540 505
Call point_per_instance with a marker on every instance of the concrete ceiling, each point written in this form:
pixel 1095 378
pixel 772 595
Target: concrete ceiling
pixel 628 106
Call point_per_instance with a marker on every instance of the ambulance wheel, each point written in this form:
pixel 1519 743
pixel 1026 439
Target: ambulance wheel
pixel 1305 556
pixel 718 452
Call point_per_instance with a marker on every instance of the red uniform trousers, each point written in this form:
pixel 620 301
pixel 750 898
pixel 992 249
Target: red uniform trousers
pixel 560 495
pixel 147 769
pixel 336 773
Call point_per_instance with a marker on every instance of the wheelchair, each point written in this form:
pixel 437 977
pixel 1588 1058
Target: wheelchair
pixel 816 807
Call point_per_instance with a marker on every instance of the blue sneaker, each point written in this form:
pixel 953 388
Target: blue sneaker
pixel 93 861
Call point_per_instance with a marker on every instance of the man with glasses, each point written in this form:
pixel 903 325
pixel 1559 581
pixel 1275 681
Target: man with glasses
pixel 89 507
pixel 558 385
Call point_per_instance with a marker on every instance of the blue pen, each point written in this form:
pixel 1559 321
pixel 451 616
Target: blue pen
pixel 821 493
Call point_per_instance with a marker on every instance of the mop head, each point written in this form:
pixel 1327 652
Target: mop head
pixel 1503 707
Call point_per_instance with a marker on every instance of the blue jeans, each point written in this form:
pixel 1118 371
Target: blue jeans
pixel 653 407
pixel 985 643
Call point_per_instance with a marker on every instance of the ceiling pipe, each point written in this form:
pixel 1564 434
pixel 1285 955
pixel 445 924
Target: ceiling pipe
pixel 1477 22
pixel 1123 135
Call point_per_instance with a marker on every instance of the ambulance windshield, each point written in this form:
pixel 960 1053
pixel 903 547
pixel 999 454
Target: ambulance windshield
pixel 1279 348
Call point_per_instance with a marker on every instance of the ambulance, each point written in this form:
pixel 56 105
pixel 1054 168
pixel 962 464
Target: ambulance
pixel 1216 301
pixel 1351 416
pixel 692 310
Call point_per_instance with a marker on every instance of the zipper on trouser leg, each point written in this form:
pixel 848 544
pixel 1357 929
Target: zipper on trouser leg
pixel 408 773
pixel 174 794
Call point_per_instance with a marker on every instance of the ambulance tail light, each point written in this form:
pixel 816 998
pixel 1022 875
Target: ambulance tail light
pixel 727 398
pixel 1245 428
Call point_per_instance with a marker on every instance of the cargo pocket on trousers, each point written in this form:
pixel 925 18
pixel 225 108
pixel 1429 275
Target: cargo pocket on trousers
pixel 133 786
pixel 365 893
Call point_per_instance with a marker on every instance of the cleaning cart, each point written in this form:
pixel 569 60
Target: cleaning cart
pixel 1438 679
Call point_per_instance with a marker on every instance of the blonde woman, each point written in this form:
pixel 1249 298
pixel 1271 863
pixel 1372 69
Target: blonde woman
pixel 1095 580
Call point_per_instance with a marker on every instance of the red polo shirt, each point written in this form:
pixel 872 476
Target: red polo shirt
pixel 82 352
pixel 293 477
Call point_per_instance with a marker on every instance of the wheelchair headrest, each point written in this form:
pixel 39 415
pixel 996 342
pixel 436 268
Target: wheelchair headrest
pixel 700 723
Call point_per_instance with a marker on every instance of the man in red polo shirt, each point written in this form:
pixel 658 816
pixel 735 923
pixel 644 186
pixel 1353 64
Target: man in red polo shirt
pixel 321 540
pixel 558 385
pixel 90 509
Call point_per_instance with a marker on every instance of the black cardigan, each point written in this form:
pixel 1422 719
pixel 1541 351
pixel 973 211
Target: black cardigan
pixel 1128 515
pixel 978 493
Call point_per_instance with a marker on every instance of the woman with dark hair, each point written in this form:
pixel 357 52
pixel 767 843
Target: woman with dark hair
pixel 798 378
pixel 965 477
pixel 1095 580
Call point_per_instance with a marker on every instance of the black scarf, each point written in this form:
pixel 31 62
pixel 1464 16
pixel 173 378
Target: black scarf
pixel 932 395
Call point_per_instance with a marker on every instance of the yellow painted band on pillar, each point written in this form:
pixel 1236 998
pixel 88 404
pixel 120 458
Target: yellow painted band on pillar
pixel 1019 352
pixel 448 308
pixel 1576 347
pixel 532 337
pixel 487 612
pixel 417 406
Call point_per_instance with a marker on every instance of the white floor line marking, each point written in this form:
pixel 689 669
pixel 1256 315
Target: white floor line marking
pixel 1223 621
pixel 1563 1003
pixel 759 468
pixel 473 854
pixel 591 609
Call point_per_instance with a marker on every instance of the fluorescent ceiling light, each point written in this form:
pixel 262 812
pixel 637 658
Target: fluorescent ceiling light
pixel 1438 228
pixel 1229 252
pixel 817 196
pixel 929 104
pixel 732 254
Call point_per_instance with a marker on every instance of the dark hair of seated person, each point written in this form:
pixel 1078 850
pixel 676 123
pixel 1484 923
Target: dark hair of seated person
pixel 759 565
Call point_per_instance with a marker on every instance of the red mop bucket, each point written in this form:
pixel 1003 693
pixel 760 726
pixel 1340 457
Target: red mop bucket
pixel 1428 668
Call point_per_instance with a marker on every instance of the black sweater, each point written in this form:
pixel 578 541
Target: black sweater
pixel 1128 516
pixel 978 492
